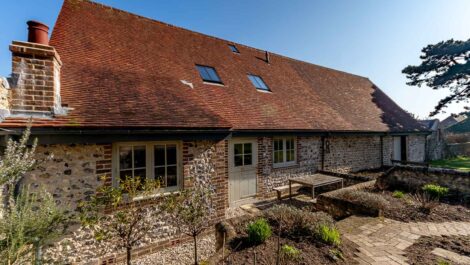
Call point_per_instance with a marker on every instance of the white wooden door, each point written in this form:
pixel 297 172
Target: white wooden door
pixel 397 148
pixel 243 158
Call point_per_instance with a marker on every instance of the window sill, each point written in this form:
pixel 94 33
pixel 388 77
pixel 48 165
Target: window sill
pixel 163 194
pixel 283 165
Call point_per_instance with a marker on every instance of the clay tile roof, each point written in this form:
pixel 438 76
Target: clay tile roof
pixel 123 70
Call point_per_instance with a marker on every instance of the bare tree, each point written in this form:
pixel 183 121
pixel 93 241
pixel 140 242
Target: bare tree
pixel 123 215
pixel 192 208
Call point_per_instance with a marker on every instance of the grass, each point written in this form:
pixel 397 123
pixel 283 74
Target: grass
pixel 460 163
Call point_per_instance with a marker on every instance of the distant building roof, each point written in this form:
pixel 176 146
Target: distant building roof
pixel 460 127
pixel 453 119
pixel 430 124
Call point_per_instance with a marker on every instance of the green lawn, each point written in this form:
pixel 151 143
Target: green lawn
pixel 460 163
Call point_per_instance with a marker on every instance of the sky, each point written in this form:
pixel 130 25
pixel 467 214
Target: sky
pixel 371 38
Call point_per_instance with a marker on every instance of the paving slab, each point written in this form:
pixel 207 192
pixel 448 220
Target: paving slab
pixel 383 241
pixel 452 256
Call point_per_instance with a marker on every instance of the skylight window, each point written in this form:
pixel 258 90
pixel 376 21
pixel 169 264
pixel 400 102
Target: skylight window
pixel 258 82
pixel 208 74
pixel 234 48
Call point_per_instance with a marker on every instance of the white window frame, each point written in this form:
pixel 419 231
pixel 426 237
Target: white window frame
pixel 150 162
pixel 284 151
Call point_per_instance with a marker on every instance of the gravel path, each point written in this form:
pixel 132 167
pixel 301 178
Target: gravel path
pixel 181 254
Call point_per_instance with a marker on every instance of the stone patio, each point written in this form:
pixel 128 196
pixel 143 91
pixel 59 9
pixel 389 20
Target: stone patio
pixel 383 241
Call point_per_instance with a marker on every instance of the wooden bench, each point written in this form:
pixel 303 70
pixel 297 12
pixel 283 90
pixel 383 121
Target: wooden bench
pixel 285 188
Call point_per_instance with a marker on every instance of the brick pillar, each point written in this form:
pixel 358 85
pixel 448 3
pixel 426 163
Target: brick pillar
pixel 36 79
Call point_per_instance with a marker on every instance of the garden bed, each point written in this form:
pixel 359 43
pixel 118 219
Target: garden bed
pixel 340 207
pixel 406 209
pixel 420 252
pixel 297 232
pixel 311 253
pixel 374 198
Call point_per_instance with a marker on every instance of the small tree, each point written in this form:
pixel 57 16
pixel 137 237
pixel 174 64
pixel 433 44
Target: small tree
pixel 28 220
pixel 17 160
pixel 129 218
pixel 30 223
pixel 192 208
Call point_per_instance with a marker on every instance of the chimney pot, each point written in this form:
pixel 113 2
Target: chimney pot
pixel 38 32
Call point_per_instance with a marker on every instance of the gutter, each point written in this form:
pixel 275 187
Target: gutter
pixel 326 132
pixel 6 131
pixel 163 131
pixel 41 131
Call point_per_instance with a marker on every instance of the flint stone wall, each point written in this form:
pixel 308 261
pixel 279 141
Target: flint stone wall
pixel 72 173
pixel 342 154
pixel 349 154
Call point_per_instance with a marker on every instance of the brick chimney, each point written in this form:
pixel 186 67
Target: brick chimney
pixel 35 81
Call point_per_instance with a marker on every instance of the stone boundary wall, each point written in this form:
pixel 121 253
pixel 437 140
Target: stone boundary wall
pixel 349 178
pixel 412 178
pixel 457 149
pixel 457 138
pixel 339 208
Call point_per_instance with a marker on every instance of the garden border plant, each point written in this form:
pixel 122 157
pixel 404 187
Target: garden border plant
pixel 29 219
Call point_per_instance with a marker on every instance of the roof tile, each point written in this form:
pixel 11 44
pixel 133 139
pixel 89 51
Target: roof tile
pixel 123 70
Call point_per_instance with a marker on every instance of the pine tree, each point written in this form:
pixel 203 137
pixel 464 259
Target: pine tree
pixel 445 65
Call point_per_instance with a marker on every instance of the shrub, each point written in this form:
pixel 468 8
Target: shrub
pixel 435 191
pixel 425 201
pixel 330 235
pixel 258 231
pixel 368 199
pixel 398 194
pixel 290 252
pixel 297 222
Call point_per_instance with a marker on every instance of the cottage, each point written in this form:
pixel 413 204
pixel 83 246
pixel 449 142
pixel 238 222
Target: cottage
pixel 115 94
